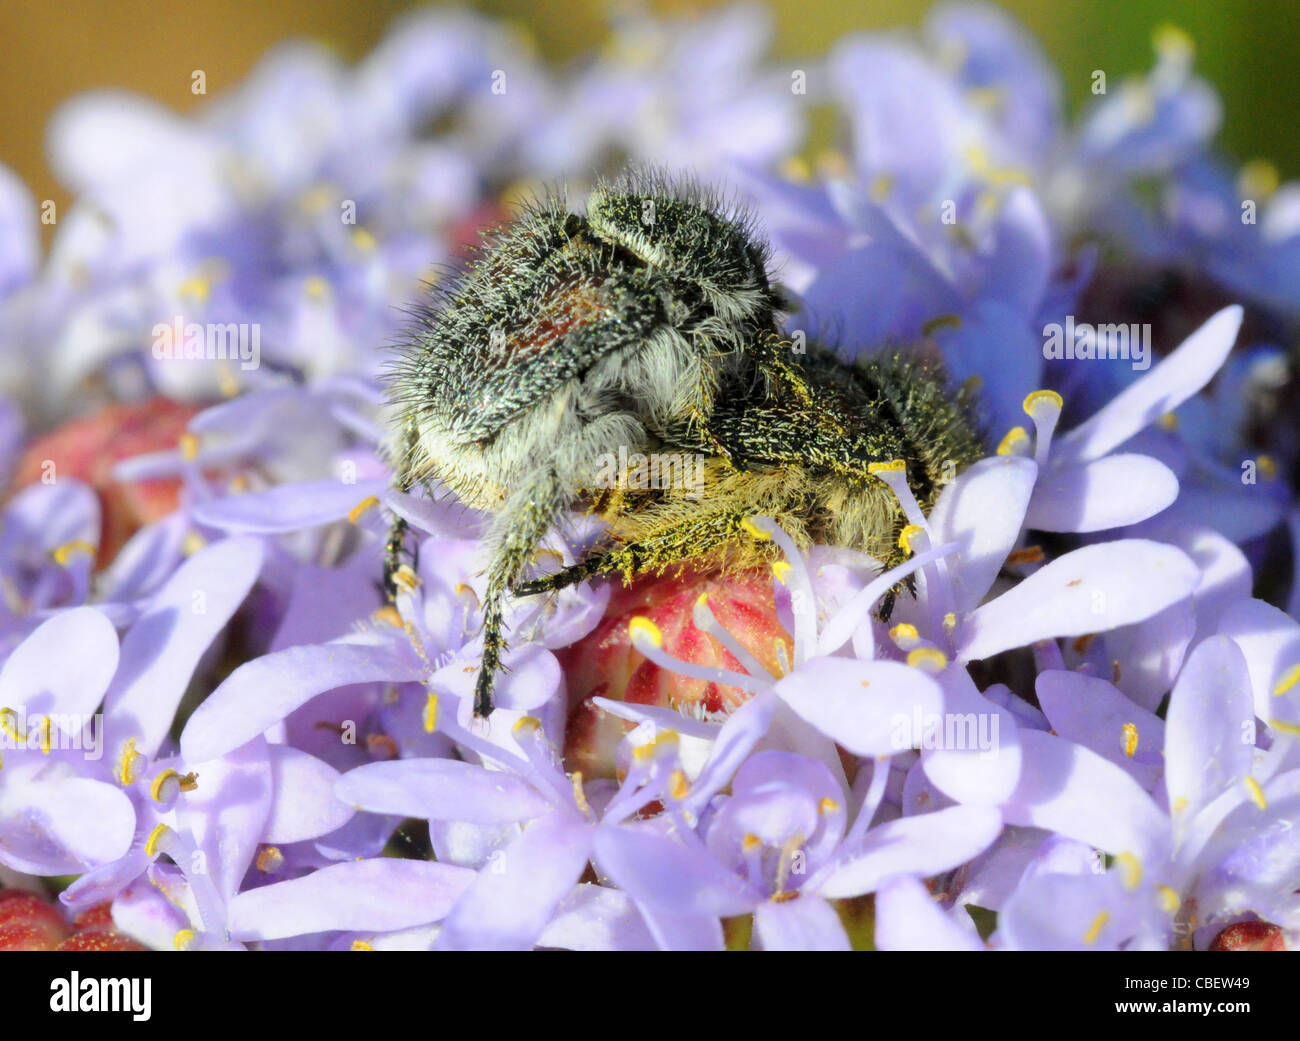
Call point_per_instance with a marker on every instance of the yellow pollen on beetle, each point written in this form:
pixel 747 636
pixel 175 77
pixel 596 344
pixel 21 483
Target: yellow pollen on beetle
pixel 360 509
pixel 361 945
pixel 1132 870
pixel 1038 397
pixel 906 536
pixel 431 713
pixel 129 764
pixel 780 569
pixel 1016 438
pixel 892 466
pixel 1256 792
pixel 68 550
pixel 183 940
pixel 1130 739
pixel 1095 929
pixel 754 530
pixel 928 659
pixel 156 789
pixel 1289 679
pixel 642 626
pixel 1169 899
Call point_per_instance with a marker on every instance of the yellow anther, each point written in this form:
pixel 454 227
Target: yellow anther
pixel 881 187
pixel 1258 179
pixel 1170 40
pixel 45 726
pixel 906 536
pixel 780 569
pixel 431 713
pixel 904 631
pixel 189 782
pixel 1169 899
pixel 189 446
pixel 183 940
pixel 1040 397
pixel 1286 728
pixel 363 240
pixel 949 622
pixel 270 858
pixel 316 287
pixel 388 615
pixel 1168 421
pixel 893 466
pixel 751 842
pixel 797 169
pixel 579 795
pixel 1095 929
pixel 702 601
pixel 754 530
pixel 160 832
pixel 129 764
pixel 678 785
pixel 9 727
pixel 360 509
pixel 1179 804
pixel 68 550
pixel 197 288
pixel 1289 679
pixel 527 726
pixel 1256 792
pixel 164 780
pixel 361 945
pixel 943 321
pixel 405 579
pixel 928 659
pixel 1132 870
pixel 192 543
pixel 642 626
pixel 991 99
pixel 1267 465
pixel 1015 440
pixel 1130 739
pixel 828 806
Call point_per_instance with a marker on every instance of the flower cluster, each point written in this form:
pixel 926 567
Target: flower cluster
pixel 1064 721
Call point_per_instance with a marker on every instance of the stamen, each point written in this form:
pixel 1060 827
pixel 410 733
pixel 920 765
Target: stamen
pixel 894 474
pixel 1130 739
pixel 166 787
pixel 361 945
pixel 130 764
pixel 161 840
pixel 1169 899
pixel 1288 681
pixel 1016 442
pixel 1095 929
pixel 68 550
pixel 189 447
pixel 1132 870
pixel 364 506
pixel 707 622
pixel 1256 792
pixel 270 859
pixel 802 603
pixel 1044 408
pixel 184 940
pixel 905 636
pixel 431 713
pixel 928 659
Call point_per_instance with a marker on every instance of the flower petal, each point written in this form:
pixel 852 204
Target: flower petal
pixel 441 789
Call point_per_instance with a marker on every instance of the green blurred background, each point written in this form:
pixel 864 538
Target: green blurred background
pixel 1250 49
